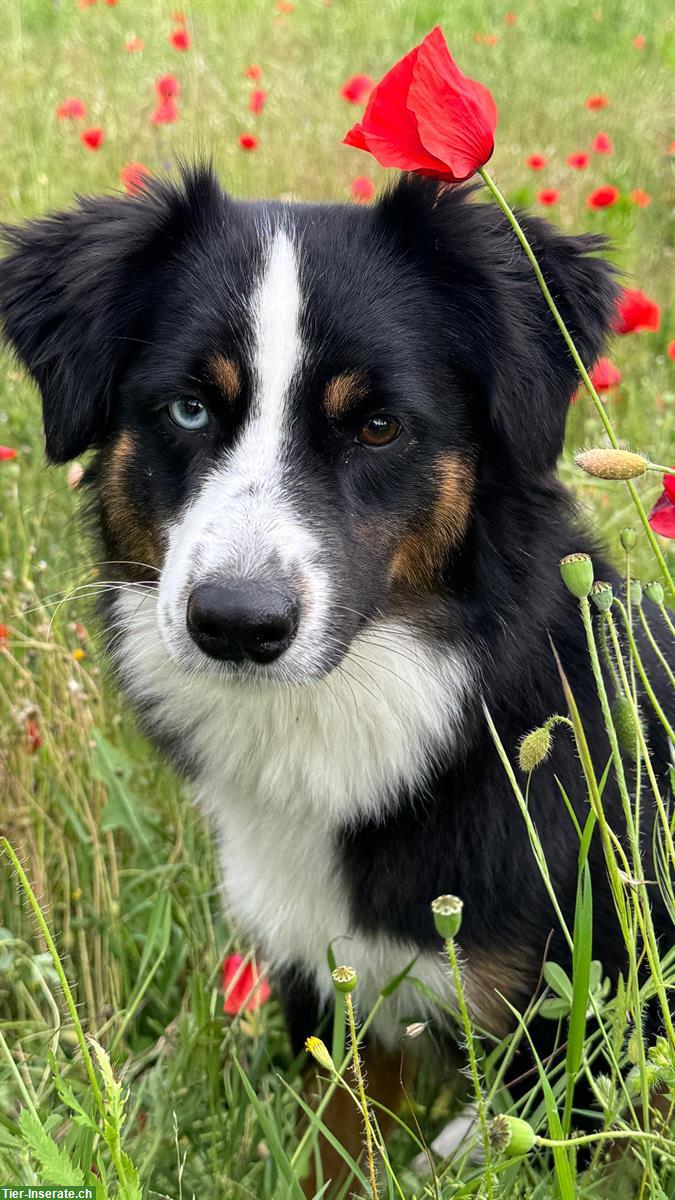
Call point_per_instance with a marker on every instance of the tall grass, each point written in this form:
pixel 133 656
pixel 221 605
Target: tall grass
pixel 170 1098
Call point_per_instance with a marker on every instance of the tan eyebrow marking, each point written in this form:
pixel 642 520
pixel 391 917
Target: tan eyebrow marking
pixel 226 375
pixel 420 556
pixel 342 392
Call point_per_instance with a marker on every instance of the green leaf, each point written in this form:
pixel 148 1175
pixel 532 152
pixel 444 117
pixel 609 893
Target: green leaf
pixel 271 1134
pixel 54 1162
pixel 114 769
pixel 559 980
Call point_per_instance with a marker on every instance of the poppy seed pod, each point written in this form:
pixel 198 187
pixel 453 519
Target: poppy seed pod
pixel 612 464
pixel 654 592
pixel 447 913
pixel 577 574
pixel 345 979
pixel 510 1135
pixel 602 596
pixel 319 1052
pixel 628 539
pixel 534 749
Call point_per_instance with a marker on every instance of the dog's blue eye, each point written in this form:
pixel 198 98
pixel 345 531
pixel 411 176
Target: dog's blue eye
pixel 188 413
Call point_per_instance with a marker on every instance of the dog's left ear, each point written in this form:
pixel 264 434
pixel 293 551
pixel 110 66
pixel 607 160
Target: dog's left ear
pixel 501 333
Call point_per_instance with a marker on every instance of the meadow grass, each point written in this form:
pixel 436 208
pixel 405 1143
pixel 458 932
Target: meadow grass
pixel 120 863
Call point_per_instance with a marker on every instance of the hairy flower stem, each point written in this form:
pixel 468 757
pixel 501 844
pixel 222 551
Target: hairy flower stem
pixel 473 1061
pixel 656 648
pixel 609 1135
pixel 68 995
pixel 513 222
pixel 358 1074
pixel 670 732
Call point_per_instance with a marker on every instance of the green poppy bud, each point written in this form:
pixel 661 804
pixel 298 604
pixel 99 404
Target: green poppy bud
pixel 534 748
pixel 654 592
pixel 345 979
pixel 628 539
pixel 447 912
pixel 510 1135
pixel 635 592
pixel 625 727
pixel 602 596
pixel 319 1052
pixel 577 574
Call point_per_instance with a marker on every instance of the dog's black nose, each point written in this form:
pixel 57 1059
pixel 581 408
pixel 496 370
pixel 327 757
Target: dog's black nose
pixel 249 619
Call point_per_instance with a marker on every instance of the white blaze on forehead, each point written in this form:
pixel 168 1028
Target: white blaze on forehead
pixel 275 309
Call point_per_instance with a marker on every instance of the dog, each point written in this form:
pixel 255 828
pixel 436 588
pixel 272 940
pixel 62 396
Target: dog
pixel 324 450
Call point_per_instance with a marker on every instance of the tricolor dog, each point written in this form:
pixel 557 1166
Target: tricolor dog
pixel 324 448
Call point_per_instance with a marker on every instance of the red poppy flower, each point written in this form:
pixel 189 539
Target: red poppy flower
pixel 284 6
pixel 426 116
pixel 642 199
pixel 132 176
pixel 178 18
pixel 602 144
pixel 636 312
pixel 86 3
pixel 72 109
pixel 662 516
pixel 536 162
pixel 4 635
pixel 180 39
pixel 357 88
pixel 166 112
pixel 111 3
pixel 92 138
pixel 671 350
pixel 548 196
pixel 256 100
pixel 362 189
pixel 7 453
pixel 244 989
pixel 595 102
pixel 167 87
pixel 33 735
pixel 579 160
pixel 248 141
pixel 133 45
pixel 639 41
pixel 491 39
pixel 605 375
pixel 510 18
pixel 254 72
pixel 603 197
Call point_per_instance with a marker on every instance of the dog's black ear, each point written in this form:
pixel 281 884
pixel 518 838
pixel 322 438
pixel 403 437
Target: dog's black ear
pixel 501 332
pixel 75 295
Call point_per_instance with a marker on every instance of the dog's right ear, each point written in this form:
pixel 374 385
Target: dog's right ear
pixel 75 296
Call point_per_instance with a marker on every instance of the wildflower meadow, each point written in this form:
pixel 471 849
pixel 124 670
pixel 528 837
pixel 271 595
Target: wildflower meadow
pixel 142 1049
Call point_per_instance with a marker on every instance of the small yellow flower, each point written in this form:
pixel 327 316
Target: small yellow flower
pixel 78 654
pixel 319 1052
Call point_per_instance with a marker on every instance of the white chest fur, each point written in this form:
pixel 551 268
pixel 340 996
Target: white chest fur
pixel 283 768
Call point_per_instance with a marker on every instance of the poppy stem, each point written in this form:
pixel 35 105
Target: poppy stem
pixel 513 222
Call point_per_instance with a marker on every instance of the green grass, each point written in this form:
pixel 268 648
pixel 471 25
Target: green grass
pixel 119 860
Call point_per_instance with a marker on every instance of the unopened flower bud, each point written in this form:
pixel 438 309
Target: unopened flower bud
pixel 534 748
pixel 416 1029
pixel 602 596
pixel 577 574
pixel 319 1051
pixel 654 592
pixel 628 539
pixel 635 592
pixel 607 463
pixel 510 1135
pixel 345 979
pixel 447 912
pixel 623 718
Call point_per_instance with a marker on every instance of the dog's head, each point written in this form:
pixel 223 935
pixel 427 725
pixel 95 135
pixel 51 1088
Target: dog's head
pixel 292 405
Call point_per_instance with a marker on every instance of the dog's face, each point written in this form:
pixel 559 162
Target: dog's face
pixel 293 406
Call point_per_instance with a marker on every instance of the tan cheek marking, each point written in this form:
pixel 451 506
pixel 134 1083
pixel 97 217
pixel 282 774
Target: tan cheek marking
pixel 485 975
pixel 131 540
pixel 342 393
pixel 420 556
pixel 225 373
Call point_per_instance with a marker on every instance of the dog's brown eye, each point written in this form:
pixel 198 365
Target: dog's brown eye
pixel 379 431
